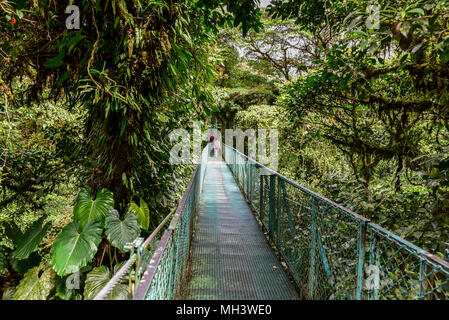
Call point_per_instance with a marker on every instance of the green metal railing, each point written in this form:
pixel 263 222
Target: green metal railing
pixel 157 264
pixel 330 251
pixel 163 279
pixel 131 271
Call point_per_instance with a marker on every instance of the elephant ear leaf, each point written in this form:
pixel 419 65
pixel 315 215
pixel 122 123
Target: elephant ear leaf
pixel 36 284
pixel 97 279
pixel 142 212
pixel 87 209
pixel 31 239
pixel 13 232
pixel 22 266
pixel 121 232
pixel 75 247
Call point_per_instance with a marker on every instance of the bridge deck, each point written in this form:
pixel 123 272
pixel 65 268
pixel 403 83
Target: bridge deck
pixel 231 258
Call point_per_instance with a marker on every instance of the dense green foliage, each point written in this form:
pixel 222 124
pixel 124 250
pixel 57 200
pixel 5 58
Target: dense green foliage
pixel 358 93
pixel 381 98
pixel 91 110
pixel 366 124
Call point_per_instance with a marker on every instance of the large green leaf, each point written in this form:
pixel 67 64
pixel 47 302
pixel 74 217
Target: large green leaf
pixel 13 232
pixel 31 239
pixel 36 284
pixel 55 62
pixel 97 279
pixel 22 266
pixel 75 247
pixel 142 212
pixel 121 232
pixel 87 209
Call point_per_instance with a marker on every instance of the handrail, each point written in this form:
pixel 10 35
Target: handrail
pixel 378 228
pixel 297 185
pixel 149 274
pixel 102 295
pixel 168 266
pixel 331 251
pixel 143 284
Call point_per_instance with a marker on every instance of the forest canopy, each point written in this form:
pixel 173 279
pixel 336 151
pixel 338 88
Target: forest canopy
pixel 357 89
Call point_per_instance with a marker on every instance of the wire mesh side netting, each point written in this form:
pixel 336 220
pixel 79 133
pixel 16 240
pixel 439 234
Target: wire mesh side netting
pixel 163 279
pixel 331 252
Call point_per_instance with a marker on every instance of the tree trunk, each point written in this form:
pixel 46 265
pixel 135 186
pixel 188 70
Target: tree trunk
pixel 109 149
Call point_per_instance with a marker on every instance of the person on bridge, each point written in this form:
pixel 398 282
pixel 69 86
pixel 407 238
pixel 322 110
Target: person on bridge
pixel 211 145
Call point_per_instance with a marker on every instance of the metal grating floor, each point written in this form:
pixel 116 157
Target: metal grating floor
pixel 231 259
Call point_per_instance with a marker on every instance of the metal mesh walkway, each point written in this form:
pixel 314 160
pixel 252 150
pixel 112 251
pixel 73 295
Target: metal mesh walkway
pixel 231 258
pixel 331 252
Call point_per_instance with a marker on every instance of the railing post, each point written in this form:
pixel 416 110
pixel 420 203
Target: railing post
pixel 373 293
pixel 236 171
pixel 361 258
pixel 313 241
pixel 422 277
pixel 171 275
pixel 247 177
pixel 239 168
pixel 271 216
pixel 261 196
pixel 233 162
pixel 139 253
pixel 278 214
pixel 248 180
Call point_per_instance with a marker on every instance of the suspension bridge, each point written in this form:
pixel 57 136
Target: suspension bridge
pixel 243 231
